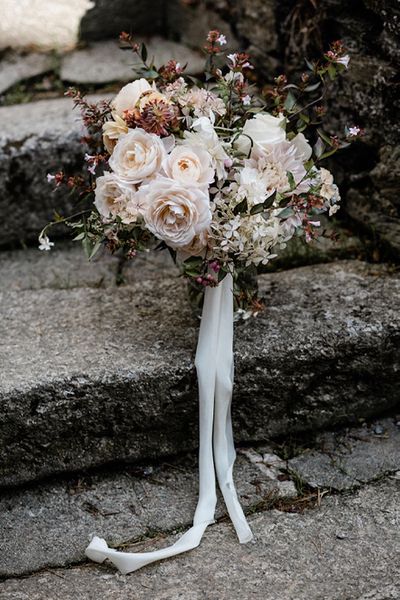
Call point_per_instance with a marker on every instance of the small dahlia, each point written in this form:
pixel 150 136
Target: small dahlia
pixel 159 117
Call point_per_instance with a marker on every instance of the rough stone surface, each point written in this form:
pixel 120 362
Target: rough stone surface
pixel 16 67
pixel 92 376
pixel 65 267
pixel 279 35
pixel 108 18
pixel 50 525
pixel 104 62
pixel 348 549
pixel 348 460
pixel 35 138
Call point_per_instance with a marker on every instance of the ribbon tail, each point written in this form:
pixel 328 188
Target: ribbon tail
pixel 224 449
pixel 206 366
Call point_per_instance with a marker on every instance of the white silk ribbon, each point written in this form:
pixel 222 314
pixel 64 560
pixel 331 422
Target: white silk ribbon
pixel 214 364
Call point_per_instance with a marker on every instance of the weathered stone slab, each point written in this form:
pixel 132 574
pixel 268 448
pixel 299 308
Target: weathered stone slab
pixel 104 62
pixel 92 376
pixel 16 67
pixel 65 267
pixel 36 138
pixel 50 525
pixel 347 550
pixel 348 460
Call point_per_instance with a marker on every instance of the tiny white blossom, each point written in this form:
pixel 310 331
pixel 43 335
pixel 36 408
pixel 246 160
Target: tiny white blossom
pixel 246 100
pixel 50 177
pixel 344 60
pixel 45 243
pixel 221 39
pixel 354 131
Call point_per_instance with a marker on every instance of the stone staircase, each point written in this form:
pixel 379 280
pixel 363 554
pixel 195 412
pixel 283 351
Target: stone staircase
pixel 98 408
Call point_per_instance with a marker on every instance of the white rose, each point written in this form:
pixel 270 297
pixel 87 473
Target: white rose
pixel 174 212
pixel 303 148
pixel 204 136
pixel 189 165
pixel 115 198
pixel 264 130
pixel 112 131
pixel 129 95
pixel 137 156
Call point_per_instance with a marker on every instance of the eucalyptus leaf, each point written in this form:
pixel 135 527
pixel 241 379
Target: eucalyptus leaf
pixel 286 212
pixel 312 87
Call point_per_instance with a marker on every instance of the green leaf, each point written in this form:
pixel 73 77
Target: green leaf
pixel 332 71
pixel 290 101
pixel 192 272
pixel 319 148
pixel 257 208
pixel 270 200
pixel 143 53
pixel 324 136
pixel 309 64
pixel 222 274
pixel 193 261
pixel 150 74
pixel 286 212
pixel 312 87
pixel 329 153
pixel 79 237
pixel 94 250
pixel 292 182
pixel 241 207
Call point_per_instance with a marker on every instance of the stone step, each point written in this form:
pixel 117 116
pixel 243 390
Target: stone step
pixel 49 525
pixel 35 139
pixel 103 62
pixel 93 376
pixel 346 549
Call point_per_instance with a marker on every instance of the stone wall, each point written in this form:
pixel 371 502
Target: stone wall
pixel 278 34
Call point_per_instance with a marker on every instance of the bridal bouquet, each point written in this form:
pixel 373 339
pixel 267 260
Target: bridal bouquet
pixel 217 174
pixel 223 177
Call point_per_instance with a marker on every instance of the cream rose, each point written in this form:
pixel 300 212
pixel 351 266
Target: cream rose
pixel 137 156
pixel 189 165
pixel 175 213
pixel 115 198
pixel 112 131
pixel 264 130
pixel 129 95
pixel 197 246
pixel 303 148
